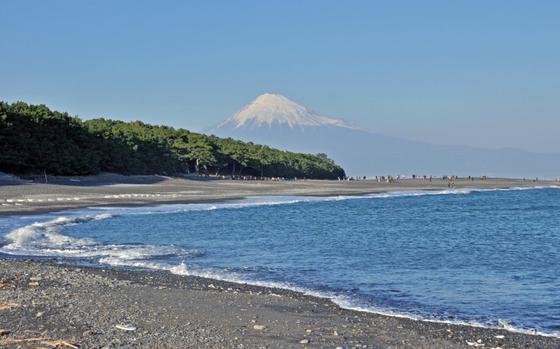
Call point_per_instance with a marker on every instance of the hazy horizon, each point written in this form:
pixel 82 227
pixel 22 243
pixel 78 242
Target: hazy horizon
pixel 478 74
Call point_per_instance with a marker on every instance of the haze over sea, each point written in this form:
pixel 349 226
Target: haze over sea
pixel 485 257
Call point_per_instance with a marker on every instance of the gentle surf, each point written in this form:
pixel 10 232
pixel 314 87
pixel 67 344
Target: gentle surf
pixel 481 257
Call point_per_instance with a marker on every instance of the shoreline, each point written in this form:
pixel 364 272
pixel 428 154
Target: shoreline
pixel 295 289
pixel 36 198
pixel 255 316
pixel 317 295
pixel 424 333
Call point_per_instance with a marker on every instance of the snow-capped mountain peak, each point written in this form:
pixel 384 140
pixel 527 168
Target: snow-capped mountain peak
pixel 278 122
pixel 269 109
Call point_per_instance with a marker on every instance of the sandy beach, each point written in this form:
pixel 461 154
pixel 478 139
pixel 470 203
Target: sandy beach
pixel 44 304
pixel 75 192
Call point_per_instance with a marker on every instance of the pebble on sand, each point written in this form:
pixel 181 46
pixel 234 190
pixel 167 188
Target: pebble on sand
pixel 128 328
pixel 478 343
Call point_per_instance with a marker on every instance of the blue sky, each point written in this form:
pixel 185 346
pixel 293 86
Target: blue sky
pixel 483 73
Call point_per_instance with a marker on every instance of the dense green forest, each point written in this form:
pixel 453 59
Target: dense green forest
pixel 35 139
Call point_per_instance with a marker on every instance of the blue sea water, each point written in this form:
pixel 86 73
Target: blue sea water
pixel 485 257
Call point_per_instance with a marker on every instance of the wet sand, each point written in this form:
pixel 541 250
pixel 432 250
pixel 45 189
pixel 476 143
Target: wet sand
pixel 84 307
pixel 64 193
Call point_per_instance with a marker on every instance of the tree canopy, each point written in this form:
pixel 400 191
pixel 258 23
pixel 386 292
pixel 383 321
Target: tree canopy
pixel 34 139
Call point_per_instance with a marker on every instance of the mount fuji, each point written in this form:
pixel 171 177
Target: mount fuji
pixel 277 121
pixel 272 110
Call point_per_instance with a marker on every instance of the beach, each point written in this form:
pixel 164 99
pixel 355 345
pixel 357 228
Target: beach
pixel 51 302
pixel 99 308
pixel 114 190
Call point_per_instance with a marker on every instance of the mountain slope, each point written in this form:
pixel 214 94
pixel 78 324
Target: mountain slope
pixel 279 122
pixel 276 110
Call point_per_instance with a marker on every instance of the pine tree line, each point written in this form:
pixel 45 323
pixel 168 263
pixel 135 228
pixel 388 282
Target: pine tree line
pixel 35 139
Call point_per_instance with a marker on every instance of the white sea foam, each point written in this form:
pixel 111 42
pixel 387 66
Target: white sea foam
pixel 343 301
pixel 47 239
pixel 349 303
pixel 252 201
pixel 180 269
pixel 47 233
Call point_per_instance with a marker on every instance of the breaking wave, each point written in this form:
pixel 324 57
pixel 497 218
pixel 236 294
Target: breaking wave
pixel 47 239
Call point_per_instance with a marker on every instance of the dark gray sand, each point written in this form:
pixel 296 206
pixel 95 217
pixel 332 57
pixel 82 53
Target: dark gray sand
pixel 83 307
pixel 63 193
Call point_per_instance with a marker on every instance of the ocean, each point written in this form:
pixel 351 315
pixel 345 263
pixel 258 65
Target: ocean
pixel 480 257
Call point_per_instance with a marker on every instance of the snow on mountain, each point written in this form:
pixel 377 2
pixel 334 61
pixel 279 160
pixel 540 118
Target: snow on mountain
pixel 281 123
pixel 272 109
